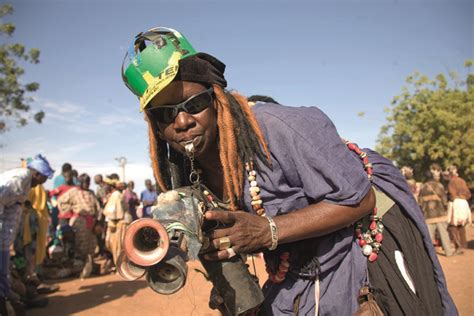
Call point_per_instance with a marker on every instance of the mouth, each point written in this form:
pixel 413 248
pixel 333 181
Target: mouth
pixel 194 141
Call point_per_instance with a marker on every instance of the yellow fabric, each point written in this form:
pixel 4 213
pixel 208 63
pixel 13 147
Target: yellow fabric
pixel 26 226
pixel 115 207
pixel 114 236
pixel 38 199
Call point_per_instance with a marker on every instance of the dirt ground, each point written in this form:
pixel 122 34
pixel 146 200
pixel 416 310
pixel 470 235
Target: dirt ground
pixel 110 295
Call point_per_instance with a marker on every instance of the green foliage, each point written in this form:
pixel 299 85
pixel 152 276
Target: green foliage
pixel 14 103
pixel 431 122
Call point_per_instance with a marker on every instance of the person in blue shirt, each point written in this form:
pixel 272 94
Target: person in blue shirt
pixel 148 198
pixel 59 180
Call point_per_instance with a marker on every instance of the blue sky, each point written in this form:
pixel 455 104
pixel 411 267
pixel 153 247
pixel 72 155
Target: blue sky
pixel 342 56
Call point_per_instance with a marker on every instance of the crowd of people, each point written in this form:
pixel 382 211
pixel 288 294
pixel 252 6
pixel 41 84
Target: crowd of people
pixel 444 199
pixel 69 231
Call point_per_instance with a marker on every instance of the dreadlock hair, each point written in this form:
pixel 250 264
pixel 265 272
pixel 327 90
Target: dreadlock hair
pixel 261 98
pixel 240 142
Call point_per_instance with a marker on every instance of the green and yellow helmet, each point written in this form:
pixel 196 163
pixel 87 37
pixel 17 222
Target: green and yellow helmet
pixel 152 62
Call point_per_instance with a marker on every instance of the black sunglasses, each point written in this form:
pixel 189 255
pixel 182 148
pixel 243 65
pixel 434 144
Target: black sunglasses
pixel 193 105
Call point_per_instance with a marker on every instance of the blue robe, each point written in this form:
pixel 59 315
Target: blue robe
pixel 310 163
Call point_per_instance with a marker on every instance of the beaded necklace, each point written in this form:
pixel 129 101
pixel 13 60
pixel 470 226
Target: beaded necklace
pixel 369 240
pixel 257 206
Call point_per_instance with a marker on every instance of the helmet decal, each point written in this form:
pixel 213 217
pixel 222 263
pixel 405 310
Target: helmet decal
pixel 152 62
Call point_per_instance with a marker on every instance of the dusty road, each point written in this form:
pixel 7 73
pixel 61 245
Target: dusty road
pixel 110 295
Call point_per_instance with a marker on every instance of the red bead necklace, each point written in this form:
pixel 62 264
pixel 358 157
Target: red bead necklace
pixel 370 240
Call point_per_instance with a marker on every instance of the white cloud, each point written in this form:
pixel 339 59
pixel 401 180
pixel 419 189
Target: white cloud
pixel 81 121
pixel 11 155
pixel 76 147
pixel 24 147
pixel 112 119
pixel 83 128
pixel 64 107
pixel 75 116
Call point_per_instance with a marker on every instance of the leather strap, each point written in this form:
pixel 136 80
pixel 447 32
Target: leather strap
pixel 382 202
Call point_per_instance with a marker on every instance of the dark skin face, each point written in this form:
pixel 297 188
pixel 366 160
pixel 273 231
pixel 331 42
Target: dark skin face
pixel 201 128
pixel 37 178
pixel 98 179
pixel 131 185
pixel 85 185
pixel 68 178
pixel 107 188
pixel 148 185
pixel 121 186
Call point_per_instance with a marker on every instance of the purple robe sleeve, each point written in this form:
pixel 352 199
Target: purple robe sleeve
pixel 311 155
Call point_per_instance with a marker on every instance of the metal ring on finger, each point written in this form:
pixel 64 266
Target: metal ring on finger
pixel 231 252
pixel 224 243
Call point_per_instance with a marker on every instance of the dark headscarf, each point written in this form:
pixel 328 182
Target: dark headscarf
pixel 202 68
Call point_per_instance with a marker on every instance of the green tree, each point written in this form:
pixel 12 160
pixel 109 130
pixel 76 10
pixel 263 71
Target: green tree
pixel 14 102
pixel 432 121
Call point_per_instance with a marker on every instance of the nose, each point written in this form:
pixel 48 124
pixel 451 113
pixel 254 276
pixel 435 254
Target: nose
pixel 184 121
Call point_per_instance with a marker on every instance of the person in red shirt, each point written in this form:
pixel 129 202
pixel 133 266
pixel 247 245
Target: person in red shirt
pixel 63 218
pixel 131 199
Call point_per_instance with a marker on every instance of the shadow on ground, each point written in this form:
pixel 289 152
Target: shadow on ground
pixel 90 296
pixel 470 244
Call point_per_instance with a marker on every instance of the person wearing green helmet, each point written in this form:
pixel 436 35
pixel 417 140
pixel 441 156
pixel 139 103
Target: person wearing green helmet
pixel 326 214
